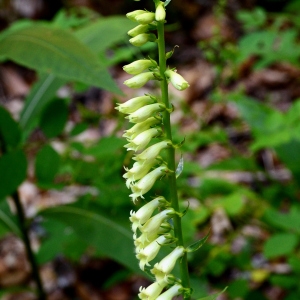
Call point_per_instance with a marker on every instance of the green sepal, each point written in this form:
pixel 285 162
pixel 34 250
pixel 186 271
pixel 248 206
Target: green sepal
pixel 179 168
pixel 180 144
pixel 186 292
pixel 214 296
pixel 195 246
pixel 157 76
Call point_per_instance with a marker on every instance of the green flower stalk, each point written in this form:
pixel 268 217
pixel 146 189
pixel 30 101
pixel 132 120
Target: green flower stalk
pixel 151 226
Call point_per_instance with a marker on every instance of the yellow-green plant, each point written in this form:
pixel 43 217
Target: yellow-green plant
pixel 151 118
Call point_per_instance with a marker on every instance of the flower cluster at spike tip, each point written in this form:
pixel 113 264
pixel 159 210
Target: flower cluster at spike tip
pixel 150 223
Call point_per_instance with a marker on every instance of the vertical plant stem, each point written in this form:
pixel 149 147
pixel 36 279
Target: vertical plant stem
pixel 25 237
pixel 26 240
pixel 171 153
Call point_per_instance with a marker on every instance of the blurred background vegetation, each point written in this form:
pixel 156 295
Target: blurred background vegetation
pixel 62 155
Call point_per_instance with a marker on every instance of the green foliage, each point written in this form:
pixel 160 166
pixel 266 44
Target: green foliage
pixel 54 118
pixel 280 244
pixel 9 130
pixel 46 165
pixel 13 168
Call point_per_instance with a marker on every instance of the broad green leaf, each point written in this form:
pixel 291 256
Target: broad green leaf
pixel 46 164
pixel 41 93
pixel 13 167
pixel 55 51
pixel 104 33
pixel 54 118
pixel 9 130
pixel 99 231
pixel 280 244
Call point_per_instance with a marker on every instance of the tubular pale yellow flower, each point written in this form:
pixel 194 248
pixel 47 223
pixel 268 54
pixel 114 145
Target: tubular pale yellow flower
pixel 141 141
pixel 177 80
pixel 139 66
pixel 134 104
pixel 133 14
pixel 170 293
pixel 143 113
pixel 153 151
pixel 153 224
pixel 145 18
pixel 166 265
pixel 144 213
pixel 145 184
pixel 143 240
pixel 138 171
pixel 139 80
pixel 160 12
pixel 138 30
pixel 142 39
pixel 140 127
pixel 150 251
pixel 152 291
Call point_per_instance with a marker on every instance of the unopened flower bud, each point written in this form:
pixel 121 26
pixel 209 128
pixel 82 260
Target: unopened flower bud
pixel 152 291
pixel 166 265
pixel 134 104
pixel 139 66
pixel 138 30
pixel 145 18
pixel 145 112
pixel 145 184
pixel 133 14
pixel 170 293
pixel 160 12
pixel 177 80
pixel 153 151
pixel 142 39
pixel 141 141
pixel 139 80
